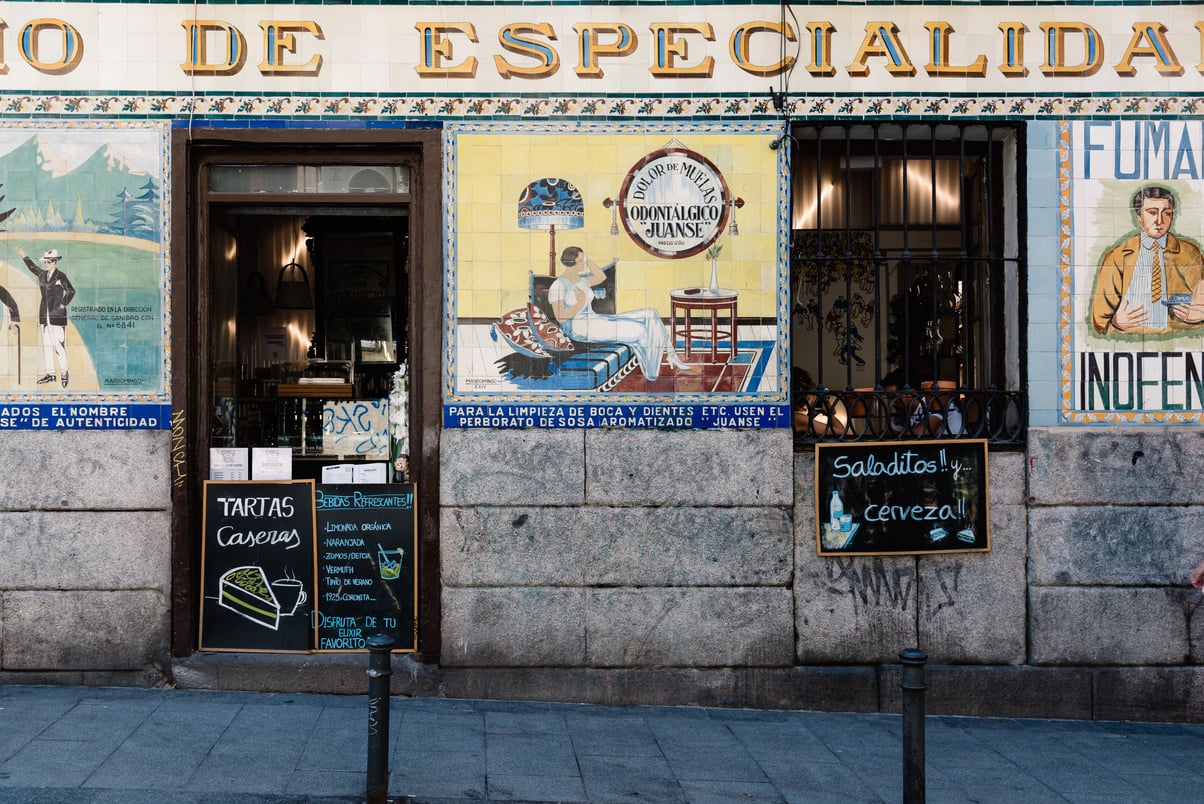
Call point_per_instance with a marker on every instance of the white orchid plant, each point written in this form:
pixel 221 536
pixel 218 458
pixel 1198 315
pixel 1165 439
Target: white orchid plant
pixel 399 422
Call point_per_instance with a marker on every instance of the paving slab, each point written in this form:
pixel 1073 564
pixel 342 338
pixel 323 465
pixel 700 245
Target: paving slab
pixel 630 779
pixel 530 755
pixel 614 736
pixel 518 787
pixel 456 775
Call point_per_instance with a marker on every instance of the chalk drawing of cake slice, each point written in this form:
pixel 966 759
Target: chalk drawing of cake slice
pixel 245 591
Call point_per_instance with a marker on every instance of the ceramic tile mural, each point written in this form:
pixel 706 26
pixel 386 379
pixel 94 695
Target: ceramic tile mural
pixel 1132 233
pixel 631 79
pixel 83 280
pixel 614 276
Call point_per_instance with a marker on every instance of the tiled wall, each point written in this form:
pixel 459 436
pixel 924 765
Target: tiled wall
pixel 1043 280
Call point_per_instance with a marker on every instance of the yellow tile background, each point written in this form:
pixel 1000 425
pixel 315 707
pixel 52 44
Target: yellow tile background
pixel 494 254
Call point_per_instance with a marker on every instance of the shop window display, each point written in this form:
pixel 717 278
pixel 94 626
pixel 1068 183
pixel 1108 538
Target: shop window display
pixel 308 320
pixel 905 283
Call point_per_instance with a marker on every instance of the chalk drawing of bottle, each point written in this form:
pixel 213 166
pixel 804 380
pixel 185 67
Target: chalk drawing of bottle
pixel 835 510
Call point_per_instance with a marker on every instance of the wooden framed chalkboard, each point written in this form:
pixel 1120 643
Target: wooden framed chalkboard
pixel 257 566
pixel 367 566
pixel 902 497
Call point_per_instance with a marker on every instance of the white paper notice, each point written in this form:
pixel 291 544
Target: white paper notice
pixel 370 473
pixel 272 463
pixel 338 473
pixel 230 463
pixel 275 347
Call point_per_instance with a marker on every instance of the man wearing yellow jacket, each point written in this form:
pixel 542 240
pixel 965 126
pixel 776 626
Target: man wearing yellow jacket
pixel 1153 281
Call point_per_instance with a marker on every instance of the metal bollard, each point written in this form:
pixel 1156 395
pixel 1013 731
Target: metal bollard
pixel 379 670
pixel 911 681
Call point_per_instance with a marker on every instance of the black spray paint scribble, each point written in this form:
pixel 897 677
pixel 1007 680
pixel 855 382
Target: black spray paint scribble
pixel 872 583
pixel 943 594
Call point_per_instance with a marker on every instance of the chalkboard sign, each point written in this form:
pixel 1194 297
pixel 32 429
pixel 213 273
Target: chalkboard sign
pixel 902 497
pixel 367 568
pixel 257 566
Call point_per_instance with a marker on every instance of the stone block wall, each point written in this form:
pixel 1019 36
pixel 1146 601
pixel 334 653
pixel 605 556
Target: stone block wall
pixel 85 549
pixel 674 567
pixel 616 550
pixel 669 567
pixel 960 608
pixel 1116 524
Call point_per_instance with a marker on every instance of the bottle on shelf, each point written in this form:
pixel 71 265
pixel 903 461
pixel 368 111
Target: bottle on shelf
pixel 835 510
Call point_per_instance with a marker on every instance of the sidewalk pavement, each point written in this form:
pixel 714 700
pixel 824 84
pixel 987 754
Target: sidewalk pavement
pixel 165 746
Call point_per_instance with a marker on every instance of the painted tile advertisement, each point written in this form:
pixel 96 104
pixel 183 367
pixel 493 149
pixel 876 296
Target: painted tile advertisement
pixel 1132 209
pixel 83 276
pixel 614 276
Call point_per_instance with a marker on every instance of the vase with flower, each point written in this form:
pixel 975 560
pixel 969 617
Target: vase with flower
pixel 713 256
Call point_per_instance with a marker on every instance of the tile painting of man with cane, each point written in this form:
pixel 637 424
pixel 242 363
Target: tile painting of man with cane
pixel 57 293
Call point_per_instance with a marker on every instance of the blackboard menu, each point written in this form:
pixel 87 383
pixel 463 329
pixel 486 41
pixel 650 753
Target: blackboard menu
pixel 367 572
pixel 902 497
pixel 257 566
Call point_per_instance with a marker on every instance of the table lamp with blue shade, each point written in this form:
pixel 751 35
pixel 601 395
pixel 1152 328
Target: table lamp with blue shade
pixel 551 204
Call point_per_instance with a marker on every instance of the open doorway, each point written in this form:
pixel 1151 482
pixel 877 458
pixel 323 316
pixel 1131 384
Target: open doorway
pixel 297 303
pixel 309 317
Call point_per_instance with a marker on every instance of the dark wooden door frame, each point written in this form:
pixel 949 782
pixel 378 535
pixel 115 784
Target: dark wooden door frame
pixel 192 150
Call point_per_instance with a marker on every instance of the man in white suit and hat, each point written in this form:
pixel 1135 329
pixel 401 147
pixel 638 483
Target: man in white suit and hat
pixel 57 293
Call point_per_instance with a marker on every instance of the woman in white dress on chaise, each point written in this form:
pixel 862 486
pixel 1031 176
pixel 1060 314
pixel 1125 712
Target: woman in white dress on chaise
pixel 571 297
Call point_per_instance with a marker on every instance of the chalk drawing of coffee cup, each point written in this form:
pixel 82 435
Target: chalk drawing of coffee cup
pixel 289 595
pixel 390 563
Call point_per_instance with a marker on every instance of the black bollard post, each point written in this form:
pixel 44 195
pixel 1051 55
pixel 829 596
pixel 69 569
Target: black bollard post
pixel 379 670
pixel 911 681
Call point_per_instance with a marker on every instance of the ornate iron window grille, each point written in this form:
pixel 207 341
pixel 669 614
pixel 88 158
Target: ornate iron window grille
pixel 907 273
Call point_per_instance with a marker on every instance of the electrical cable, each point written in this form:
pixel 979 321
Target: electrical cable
pixel 781 98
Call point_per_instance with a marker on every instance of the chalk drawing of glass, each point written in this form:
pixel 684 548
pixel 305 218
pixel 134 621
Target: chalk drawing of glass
pixel 390 563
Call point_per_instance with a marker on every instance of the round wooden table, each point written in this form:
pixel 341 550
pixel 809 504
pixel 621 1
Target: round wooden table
pixel 693 305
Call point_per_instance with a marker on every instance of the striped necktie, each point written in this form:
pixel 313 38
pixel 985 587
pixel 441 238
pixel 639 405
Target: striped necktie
pixel 1156 280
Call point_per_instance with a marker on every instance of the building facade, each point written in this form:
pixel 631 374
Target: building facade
pixel 619 289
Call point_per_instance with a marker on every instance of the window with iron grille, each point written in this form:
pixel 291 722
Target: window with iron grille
pixel 906 272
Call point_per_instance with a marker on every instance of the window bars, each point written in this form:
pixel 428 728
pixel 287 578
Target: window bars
pixel 906 276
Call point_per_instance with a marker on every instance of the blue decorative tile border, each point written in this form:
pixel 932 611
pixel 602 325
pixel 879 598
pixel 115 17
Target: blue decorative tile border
pixel 84 416
pixel 604 414
pixel 442 107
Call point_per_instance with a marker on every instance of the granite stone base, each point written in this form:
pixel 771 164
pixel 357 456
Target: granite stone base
pixel 1166 694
